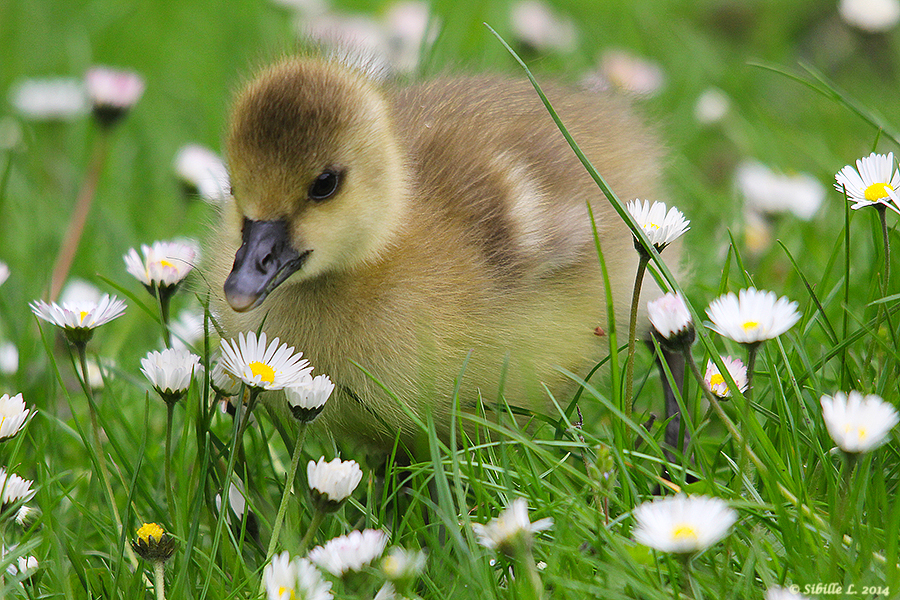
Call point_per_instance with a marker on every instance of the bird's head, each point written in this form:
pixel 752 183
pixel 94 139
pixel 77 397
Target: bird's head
pixel 316 173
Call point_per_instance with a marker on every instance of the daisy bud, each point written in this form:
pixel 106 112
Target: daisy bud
pixel 112 93
pixel 308 399
pixel 331 483
pixel 672 321
pixel 511 530
pixel 349 553
pixel 13 415
pixel 153 544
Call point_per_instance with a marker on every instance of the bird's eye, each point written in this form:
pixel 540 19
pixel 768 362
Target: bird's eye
pixel 325 185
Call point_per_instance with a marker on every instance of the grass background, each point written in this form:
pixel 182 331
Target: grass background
pixel 194 54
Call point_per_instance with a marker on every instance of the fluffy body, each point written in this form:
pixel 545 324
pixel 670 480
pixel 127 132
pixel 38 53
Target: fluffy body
pixel 460 227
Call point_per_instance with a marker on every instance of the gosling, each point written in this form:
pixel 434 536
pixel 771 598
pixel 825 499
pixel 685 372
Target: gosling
pixel 426 238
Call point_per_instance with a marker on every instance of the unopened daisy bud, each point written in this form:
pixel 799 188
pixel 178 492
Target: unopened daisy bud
pixel 871 182
pixel 153 544
pixel 512 530
pixel 401 565
pixel 752 316
pixel 78 320
pixel 112 93
pixel 263 367
pixel 331 483
pixel 349 553
pixel 683 524
pixel 308 399
pixel 13 415
pixel 296 579
pixel 716 383
pixel 858 423
pixel 14 489
pixel 170 372
pixel 661 226
pixel 163 266
pixel 672 321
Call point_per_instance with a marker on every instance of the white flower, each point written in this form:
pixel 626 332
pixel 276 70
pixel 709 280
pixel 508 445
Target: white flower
pixel 12 415
pixel 203 169
pixel 716 382
pixel 536 25
pixel 296 579
pixel 112 92
pixel 768 192
pixel 870 182
pixel 671 318
pixel 79 319
pixel 510 527
pixel 349 552
pixel 780 593
pixel 858 423
pixel 711 107
pixel 271 367
pixel 170 371
pixel 79 291
pixel 164 264
pixel 4 272
pixel 752 316
pixel 632 73
pixel 237 499
pixel 308 399
pixel 26 566
pixel 9 358
pixel 662 227
pixel 683 524
pixel 59 99
pixel 409 27
pixel 223 382
pixel 332 482
pixel 187 328
pixel 14 488
pixel 873 16
pixel 400 564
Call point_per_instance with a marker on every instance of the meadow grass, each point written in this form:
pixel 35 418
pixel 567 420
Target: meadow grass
pixel 807 93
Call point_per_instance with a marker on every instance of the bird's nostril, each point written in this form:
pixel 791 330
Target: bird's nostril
pixel 265 263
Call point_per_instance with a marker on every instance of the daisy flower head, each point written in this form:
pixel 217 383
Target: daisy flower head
pixel 263 367
pixel 403 565
pixel 163 265
pixel 153 544
pixel 858 423
pixel 203 171
pixel 14 488
pixel 223 382
pixel 308 399
pixel 331 483
pixel 350 552
pixel 297 579
pixel 57 99
pixel 752 316
pixel 4 272
pixel 661 226
pixel 683 524
pixel 716 382
pixel 871 182
pixel 170 372
pixel 672 321
pixel 78 320
pixel 112 93
pixel 511 529
pixel 13 415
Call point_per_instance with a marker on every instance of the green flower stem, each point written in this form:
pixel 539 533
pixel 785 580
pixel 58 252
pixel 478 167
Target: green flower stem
pixel 632 328
pixel 170 494
pixel 101 458
pixel 686 586
pixel 532 586
pixel 159 579
pixel 886 280
pixel 288 484
pixel 317 519
pixel 69 248
pixel 163 298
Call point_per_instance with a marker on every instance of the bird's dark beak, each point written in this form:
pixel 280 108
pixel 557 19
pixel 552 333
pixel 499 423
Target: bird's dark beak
pixel 264 260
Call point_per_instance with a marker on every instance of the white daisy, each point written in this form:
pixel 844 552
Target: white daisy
pixel 752 316
pixel 712 106
pixel 4 272
pixel 79 320
pixel 170 372
pixel 271 367
pixel 872 16
pixel 858 423
pixel 331 483
pixel 869 183
pixel 57 99
pixel 187 329
pixel 9 358
pixel 672 320
pixel 308 399
pixel 205 171
pixel 767 192
pixel 112 92
pixel 14 488
pixel 403 565
pixel 223 382
pixel 164 264
pixel 12 415
pixel 349 552
pixel 661 226
pixel 538 26
pixel 683 524
pixel 716 382
pixel 296 579
pixel 510 528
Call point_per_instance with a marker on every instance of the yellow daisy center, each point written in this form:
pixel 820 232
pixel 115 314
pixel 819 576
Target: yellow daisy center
pixel 748 325
pixel 150 529
pixel 685 531
pixel 862 432
pixel 877 191
pixel 283 589
pixel 651 226
pixel 83 315
pixel 716 379
pixel 263 371
pixel 166 263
